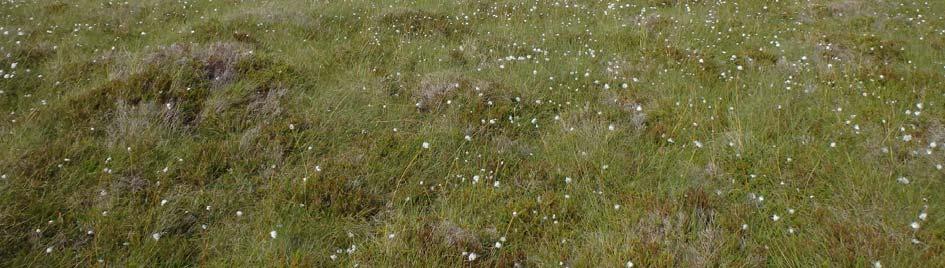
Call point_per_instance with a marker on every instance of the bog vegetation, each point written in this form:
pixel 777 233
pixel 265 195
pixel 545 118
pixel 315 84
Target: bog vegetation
pixel 487 133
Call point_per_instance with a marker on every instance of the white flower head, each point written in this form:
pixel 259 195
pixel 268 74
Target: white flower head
pixel 903 180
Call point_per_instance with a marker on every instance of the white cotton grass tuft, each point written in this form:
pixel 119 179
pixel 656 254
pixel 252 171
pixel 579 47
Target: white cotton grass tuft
pixel 273 234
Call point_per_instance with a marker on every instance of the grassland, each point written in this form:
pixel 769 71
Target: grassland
pixel 492 133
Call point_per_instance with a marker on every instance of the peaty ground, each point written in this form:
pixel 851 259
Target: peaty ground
pixel 494 133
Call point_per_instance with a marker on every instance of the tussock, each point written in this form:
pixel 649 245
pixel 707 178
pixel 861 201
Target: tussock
pixel 416 22
pixel 130 184
pixel 436 89
pixel 218 60
pixel 693 239
pixel 447 234
pixel 143 123
pixel 266 105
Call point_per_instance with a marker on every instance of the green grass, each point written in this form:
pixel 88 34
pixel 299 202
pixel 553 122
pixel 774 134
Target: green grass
pixel 569 133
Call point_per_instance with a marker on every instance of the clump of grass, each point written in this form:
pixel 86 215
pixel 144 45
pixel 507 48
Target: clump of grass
pixel 442 88
pixel 144 124
pixel 416 22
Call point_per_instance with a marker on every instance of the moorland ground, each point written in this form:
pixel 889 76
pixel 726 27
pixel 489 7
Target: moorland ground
pixel 501 133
